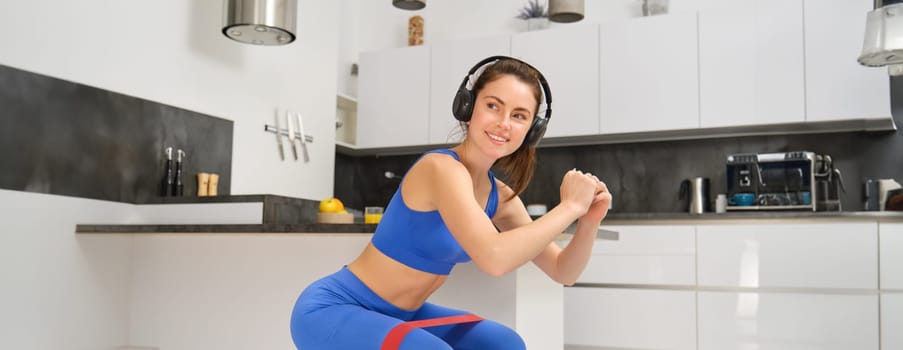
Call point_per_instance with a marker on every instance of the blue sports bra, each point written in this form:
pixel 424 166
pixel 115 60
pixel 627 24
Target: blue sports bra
pixel 420 239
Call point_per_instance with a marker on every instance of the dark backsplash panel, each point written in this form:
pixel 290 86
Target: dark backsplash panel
pixel 645 177
pixel 64 138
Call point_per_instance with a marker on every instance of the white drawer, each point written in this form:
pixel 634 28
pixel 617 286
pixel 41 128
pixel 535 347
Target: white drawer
pixel 891 321
pixel 626 269
pixel 786 321
pixel 644 255
pixel 827 255
pixel 630 318
pixel 891 238
pixel 648 240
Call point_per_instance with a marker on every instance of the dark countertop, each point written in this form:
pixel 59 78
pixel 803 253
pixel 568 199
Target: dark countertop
pixel 612 219
pixel 249 228
pixel 879 216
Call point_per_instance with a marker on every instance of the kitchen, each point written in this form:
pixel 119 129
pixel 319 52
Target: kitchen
pixel 84 290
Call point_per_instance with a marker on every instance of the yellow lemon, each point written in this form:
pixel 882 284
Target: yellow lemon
pixel 331 205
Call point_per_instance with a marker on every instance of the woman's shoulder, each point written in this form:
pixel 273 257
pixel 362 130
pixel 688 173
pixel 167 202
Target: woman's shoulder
pixel 437 164
pixel 433 176
pixel 504 190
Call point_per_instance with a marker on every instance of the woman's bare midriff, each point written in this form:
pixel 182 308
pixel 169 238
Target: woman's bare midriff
pixel 404 287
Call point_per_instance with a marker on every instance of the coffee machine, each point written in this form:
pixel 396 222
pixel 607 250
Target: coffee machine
pixel 798 180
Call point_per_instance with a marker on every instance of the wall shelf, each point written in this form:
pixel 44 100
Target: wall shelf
pixel 345 102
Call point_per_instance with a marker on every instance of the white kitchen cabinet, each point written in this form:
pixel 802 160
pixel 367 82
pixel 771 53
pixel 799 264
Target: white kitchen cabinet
pixel 891 253
pixel 837 86
pixel 789 255
pixel 450 62
pixel 393 97
pixel 785 321
pixel 614 318
pixel 891 321
pixel 751 64
pixel 649 74
pixel 568 58
pixel 644 254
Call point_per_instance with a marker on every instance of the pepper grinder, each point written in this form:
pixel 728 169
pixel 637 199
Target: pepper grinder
pixel 166 185
pixel 179 189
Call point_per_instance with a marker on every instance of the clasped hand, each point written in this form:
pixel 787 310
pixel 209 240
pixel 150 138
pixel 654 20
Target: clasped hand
pixel 587 194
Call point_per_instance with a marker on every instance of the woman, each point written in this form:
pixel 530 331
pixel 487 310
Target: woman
pixel 449 208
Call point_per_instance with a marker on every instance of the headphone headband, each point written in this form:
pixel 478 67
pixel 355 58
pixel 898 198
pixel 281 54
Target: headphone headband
pixel 474 74
pixel 462 106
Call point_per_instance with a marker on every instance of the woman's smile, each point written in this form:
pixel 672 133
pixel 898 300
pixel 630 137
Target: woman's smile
pixel 497 139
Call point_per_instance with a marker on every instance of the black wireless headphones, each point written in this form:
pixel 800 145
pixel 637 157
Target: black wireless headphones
pixel 462 106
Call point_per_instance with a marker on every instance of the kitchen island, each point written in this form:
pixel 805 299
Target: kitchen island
pixel 665 280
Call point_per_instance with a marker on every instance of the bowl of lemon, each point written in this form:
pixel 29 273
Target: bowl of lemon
pixel 332 211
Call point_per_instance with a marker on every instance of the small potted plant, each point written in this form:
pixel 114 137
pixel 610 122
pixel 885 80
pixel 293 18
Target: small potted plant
pixel 535 14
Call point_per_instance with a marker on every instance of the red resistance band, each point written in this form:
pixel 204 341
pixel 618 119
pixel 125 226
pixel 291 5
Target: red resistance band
pixel 397 334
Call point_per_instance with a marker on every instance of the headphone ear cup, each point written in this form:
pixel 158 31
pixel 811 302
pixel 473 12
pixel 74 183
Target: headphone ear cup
pixel 462 106
pixel 537 130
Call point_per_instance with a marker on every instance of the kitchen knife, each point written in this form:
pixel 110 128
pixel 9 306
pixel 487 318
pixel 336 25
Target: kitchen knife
pixel 302 136
pixel 279 138
pixel 291 134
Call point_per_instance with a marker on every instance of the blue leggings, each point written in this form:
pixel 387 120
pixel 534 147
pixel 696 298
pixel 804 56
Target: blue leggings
pixel 339 312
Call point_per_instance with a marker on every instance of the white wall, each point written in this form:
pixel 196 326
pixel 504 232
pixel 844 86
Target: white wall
pixel 172 52
pixel 59 290
pixel 66 291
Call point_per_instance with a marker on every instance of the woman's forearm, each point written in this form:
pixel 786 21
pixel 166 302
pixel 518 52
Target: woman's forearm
pixel 520 245
pixel 573 258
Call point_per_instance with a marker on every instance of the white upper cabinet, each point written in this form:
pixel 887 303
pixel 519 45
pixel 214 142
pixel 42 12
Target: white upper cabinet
pixel 751 64
pixel 569 60
pixel 837 86
pixel 649 74
pixel 393 97
pixel 450 62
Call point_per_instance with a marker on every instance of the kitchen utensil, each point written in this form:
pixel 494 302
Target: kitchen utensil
pixel 884 187
pixel 279 139
pixel 870 195
pixel 291 134
pixel 301 136
pixel 168 177
pixel 695 192
pixel 828 184
pixel 894 200
pixel 179 185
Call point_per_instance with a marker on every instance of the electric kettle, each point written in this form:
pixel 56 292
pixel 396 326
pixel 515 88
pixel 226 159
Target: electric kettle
pixel 695 193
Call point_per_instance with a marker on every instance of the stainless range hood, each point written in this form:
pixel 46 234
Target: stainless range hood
pixel 883 43
pixel 260 22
